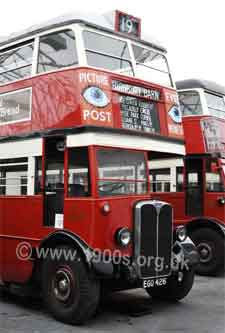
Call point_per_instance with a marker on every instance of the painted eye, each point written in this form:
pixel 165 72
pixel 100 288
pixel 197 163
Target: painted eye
pixel 175 114
pixel 96 97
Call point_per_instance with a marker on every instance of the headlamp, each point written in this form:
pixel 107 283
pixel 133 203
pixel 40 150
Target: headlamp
pixel 123 237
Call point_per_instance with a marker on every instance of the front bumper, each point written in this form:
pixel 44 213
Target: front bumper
pixel 184 256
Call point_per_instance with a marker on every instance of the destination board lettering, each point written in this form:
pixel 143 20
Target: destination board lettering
pixel 136 90
pixel 139 114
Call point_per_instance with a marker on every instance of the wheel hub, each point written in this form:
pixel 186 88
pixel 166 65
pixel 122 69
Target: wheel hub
pixel 62 285
pixel 205 252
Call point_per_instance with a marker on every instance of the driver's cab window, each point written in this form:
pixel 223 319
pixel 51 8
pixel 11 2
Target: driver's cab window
pixel 121 172
pixel 78 173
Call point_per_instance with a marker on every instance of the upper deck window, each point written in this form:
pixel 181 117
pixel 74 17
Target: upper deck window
pixel 107 52
pixel 216 105
pixel 16 63
pixel 151 66
pixel 57 50
pixel 190 103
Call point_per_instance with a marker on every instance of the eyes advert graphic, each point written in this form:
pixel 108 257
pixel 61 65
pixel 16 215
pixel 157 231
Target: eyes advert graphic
pixel 95 99
pixel 175 114
pixel 96 96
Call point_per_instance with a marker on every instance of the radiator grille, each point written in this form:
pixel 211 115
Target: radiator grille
pixel 153 238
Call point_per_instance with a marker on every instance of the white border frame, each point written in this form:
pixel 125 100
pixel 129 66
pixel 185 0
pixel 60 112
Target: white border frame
pixel 30 105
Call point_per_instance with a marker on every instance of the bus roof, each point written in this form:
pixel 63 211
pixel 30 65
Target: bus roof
pixel 100 22
pixel 197 83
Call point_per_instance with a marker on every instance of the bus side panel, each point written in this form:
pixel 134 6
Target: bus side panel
pixel 177 200
pixel 84 217
pixel 78 216
pixel 22 230
pixel 212 207
pixel 121 215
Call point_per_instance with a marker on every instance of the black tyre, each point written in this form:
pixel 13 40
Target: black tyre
pixel 178 286
pixel 70 293
pixel 211 248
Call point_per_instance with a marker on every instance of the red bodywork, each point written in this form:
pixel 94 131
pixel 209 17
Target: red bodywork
pixel 57 103
pixel 204 138
pixel 204 135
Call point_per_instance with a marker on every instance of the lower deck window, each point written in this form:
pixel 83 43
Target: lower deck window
pixel 78 173
pixel 13 177
pixel 179 179
pixel 160 180
pixel 214 181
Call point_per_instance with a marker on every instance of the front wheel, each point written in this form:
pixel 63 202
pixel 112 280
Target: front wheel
pixel 211 246
pixel 70 293
pixel 178 286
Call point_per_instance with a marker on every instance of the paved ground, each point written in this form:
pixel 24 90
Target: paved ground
pixel 202 311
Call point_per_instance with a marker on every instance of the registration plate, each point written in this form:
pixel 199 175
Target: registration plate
pixel 158 282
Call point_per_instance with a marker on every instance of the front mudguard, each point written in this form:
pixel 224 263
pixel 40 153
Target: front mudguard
pixel 184 255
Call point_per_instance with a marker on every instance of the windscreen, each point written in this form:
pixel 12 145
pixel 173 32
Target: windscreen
pixel 151 66
pixel 122 56
pixel 121 172
pixel 107 52
pixel 190 103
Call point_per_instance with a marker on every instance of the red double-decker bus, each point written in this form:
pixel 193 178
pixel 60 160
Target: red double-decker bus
pixel 82 106
pixel 197 183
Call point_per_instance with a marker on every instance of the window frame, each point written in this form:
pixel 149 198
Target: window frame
pixel 21 186
pixel 63 29
pixel 178 173
pixel 158 52
pixel 36 42
pixel 165 171
pixel 97 178
pixel 203 102
pixel 17 46
pixel 200 92
pixel 207 92
pixel 108 35
pixel 90 175
pixel 78 29
pixel 30 89
pixel 220 173
pixel 129 42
